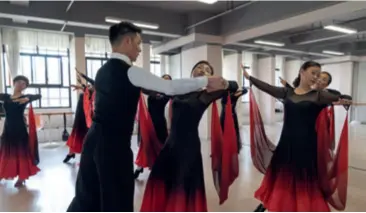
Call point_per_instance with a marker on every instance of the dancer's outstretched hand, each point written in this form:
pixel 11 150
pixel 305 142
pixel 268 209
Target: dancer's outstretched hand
pixel 216 83
pixel 283 81
pixel 343 102
pixel 245 73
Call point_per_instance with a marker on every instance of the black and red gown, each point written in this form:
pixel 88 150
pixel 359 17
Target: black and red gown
pixel 300 174
pixel 176 181
pixel 82 121
pixel 18 149
pixel 234 99
pixel 79 129
pixel 156 114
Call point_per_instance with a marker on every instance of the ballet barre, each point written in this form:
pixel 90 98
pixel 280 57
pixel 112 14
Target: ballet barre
pixel 65 134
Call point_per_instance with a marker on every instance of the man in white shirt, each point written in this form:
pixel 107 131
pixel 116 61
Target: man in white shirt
pixel 105 180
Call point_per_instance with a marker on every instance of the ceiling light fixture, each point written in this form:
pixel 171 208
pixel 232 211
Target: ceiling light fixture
pixel 270 43
pixel 208 1
pixel 332 52
pixel 340 29
pixel 137 23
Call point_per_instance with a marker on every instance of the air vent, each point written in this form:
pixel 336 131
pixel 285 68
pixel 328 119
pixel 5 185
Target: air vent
pixel 20 3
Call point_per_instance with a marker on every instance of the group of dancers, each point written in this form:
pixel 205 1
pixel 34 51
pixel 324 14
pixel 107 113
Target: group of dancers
pixel 304 172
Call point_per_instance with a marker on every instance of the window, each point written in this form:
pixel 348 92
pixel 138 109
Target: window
pixel 155 68
pixel 246 84
pixel 94 62
pixel 48 72
pixel 155 63
pixel 277 78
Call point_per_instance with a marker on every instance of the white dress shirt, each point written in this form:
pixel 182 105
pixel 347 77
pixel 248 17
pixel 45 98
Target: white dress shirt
pixel 144 79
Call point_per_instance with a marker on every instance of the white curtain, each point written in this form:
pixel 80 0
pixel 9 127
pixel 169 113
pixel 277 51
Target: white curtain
pixel 11 41
pixel 97 45
pixel 46 40
pixel 16 40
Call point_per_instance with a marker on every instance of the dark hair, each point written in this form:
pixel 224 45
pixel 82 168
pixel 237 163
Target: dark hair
pixel 167 75
pixel 330 78
pixel 118 31
pixel 203 62
pixel 21 78
pixel 304 67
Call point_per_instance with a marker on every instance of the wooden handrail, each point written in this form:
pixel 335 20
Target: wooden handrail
pixel 47 113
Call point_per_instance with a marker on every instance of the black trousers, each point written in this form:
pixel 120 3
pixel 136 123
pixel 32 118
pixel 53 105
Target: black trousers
pixel 105 180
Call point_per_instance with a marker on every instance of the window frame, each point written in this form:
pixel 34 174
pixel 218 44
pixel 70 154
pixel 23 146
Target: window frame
pixel 94 58
pixel 245 86
pixel 39 86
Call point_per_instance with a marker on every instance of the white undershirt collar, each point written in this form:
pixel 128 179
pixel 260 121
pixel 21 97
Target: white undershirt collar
pixel 122 57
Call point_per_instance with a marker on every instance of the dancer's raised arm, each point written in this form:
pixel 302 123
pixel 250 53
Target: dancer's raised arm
pixel 277 92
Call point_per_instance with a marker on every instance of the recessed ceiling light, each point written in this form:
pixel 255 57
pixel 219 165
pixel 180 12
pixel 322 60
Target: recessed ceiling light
pixel 270 43
pixel 137 23
pixel 332 52
pixel 340 29
pixel 208 1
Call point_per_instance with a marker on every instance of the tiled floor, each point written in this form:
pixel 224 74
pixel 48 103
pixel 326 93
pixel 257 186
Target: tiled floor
pixel 53 188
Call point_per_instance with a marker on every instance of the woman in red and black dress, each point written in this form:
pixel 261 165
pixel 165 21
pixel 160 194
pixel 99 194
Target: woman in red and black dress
pixel 325 79
pixel 297 177
pixel 82 116
pixel 156 103
pixel 18 148
pixel 176 181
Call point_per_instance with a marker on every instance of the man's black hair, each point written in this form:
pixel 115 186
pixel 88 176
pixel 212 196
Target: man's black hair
pixel 117 31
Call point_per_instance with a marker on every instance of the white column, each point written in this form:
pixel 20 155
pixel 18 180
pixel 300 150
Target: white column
pixel 175 65
pixel 144 58
pixel 2 81
pixel 232 71
pixel 266 73
pixel 291 70
pixel 77 59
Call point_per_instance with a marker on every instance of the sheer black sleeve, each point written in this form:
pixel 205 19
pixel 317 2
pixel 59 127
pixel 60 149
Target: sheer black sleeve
pixel 4 96
pixel 207 98
pixel 288 86
pixel 328 98
pixel 277 92
pixel 91 81
pixel 334 92
pixel 154 93
pixel 34 97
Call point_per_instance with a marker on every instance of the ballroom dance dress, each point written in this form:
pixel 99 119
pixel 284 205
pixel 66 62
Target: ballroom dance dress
pixel 105 180
pixel 234 100
pixel 296 177
pixel 18 149
pixel 79 129
pixel 82 121
pixel 330 111
pixel 176 181
pixel 156 112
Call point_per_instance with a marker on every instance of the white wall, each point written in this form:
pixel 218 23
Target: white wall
pixel 360 92
pixel 291 70
pixel 175 66
pixel 342 74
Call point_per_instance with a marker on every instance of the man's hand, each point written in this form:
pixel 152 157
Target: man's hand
pixel 216 83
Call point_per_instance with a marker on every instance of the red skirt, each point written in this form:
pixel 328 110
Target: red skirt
pixel 282 192
pixel 16 162
pixel 159 198
pixel 176 183
pixel 79 129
